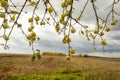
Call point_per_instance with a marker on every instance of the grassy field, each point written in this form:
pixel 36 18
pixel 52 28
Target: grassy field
pixel 20 67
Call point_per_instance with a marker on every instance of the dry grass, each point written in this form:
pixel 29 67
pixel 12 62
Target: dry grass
pixel 98 68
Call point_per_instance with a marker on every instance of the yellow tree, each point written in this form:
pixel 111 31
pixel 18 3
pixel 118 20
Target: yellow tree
pixel 63 20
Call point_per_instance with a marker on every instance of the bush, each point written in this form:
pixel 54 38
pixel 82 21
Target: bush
pixel 53 54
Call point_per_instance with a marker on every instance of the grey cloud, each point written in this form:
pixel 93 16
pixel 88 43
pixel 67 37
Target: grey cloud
pixel 53 46
pixel 19 45
pixel 111 50
pixel 113 35
pixel 116 37
pixel 107 54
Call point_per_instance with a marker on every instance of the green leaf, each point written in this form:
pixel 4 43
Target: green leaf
pixel 14 12
pixel 33 57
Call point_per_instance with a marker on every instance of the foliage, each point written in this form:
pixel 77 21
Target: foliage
pixel 53 54
pixel 64 21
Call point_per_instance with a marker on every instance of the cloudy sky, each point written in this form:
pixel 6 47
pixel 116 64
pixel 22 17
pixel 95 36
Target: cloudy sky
pixel 51 41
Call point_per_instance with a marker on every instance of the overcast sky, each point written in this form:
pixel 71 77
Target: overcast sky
pixel 51 41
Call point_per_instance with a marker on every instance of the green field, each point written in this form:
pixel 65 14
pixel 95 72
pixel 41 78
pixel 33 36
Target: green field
pixel 20 67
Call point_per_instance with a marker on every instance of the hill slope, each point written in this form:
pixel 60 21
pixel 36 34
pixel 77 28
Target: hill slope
pixel 94 68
